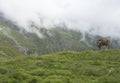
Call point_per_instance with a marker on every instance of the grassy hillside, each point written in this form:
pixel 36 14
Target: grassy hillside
pixel 54 40
pixel 63 67
pixel 7 46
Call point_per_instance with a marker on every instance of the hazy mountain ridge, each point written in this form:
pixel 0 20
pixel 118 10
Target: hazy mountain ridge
pixel 30 43
pixel 55 39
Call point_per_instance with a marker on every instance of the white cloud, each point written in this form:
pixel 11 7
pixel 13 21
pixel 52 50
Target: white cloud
pixel 77 14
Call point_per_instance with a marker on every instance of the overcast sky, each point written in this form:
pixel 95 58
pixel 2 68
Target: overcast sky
pixel 101 15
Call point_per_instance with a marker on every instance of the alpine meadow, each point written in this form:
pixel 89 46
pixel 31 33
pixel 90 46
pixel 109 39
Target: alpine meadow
pixel 59 41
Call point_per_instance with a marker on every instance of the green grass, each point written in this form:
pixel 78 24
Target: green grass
pixel 63 67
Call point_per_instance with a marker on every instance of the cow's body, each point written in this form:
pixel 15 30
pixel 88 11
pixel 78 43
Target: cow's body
pixel 103 42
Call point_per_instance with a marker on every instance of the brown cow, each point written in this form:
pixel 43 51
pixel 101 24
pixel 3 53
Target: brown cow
pixel 103 42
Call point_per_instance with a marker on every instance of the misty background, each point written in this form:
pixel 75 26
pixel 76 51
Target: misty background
pixel 99 17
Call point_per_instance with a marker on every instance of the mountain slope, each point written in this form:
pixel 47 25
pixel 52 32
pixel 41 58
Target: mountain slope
pixel 63 67
pixel 6 49
pixel 54 40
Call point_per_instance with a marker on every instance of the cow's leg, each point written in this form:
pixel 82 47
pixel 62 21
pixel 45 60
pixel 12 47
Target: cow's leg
pixel 107 47
pixel 99 47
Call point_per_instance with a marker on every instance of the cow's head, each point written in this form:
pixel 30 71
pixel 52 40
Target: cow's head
pixel 99 43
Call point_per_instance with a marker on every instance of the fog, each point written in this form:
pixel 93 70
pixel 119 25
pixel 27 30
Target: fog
pixel 98 17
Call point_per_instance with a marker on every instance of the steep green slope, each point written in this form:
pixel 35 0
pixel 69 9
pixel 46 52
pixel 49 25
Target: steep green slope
pixel 8 51
pixel 7 48
pixel 54 40
pixel 63 67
